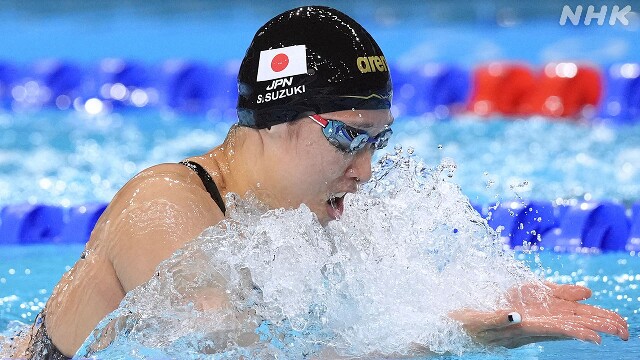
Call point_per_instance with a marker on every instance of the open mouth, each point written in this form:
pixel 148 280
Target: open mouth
pixel 335 205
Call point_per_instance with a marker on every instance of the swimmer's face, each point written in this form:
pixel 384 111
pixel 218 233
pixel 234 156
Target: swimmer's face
pixel 316 173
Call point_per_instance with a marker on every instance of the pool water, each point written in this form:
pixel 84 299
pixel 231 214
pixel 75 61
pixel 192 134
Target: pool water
pixel 69 158
pixel 28 273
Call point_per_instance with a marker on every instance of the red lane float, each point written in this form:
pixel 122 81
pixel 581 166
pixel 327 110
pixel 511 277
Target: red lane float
pixel 501 88
pixel 608 94
pixel 559 90
pixel 566 89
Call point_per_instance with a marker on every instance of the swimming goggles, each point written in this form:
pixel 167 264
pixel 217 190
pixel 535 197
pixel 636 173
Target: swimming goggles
pixel 349 139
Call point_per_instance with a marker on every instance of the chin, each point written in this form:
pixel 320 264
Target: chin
pixel 323 218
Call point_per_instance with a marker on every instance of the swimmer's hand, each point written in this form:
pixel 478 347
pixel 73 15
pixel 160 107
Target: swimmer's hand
pixel 559 317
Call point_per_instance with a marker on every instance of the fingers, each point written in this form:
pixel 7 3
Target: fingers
pixel 566 305
pixel 569 292
pixel 561 328
pixel 606 317
pixel 534 330
pixel 576 326
pixel 494 330
pixel 521 341
pixel 589 316
pixel 606 325
pixel 613 324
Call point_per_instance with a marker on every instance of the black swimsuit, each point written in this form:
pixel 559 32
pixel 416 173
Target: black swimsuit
pixel 208 182
pixel 41 346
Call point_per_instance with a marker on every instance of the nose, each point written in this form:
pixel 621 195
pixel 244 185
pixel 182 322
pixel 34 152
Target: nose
pixel 360 168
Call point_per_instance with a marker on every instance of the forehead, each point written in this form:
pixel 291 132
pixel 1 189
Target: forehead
pixel 372 121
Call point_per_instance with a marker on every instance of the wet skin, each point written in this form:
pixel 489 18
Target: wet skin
pixel 165 206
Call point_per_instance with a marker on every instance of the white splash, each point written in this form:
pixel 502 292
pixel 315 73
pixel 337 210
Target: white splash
pixel 275 284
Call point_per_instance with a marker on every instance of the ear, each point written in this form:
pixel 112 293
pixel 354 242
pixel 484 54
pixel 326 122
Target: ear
pixel 274 134
pixel 279 129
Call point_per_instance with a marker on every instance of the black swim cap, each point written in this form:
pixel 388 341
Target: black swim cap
pixel 310 60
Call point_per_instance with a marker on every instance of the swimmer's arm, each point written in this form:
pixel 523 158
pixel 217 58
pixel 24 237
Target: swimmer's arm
pixel 561 317
pixel 160 216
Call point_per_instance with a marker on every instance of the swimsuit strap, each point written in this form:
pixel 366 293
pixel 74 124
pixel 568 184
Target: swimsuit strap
pixel 208 182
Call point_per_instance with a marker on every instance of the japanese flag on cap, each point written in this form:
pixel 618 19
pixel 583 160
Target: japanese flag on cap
pixel 282 62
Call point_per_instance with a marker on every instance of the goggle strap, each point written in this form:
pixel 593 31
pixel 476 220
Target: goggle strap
pixel 320 120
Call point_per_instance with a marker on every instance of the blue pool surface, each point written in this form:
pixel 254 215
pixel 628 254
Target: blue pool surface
pixel 28 273
pixel 68 158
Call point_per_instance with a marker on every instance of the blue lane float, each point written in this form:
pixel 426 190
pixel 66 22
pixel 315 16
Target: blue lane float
pixel 189 86
pixel 435 90
pixel 621 102
pixel 585 227
pixel 194 87
pixel 79 222
pixel 523 223
pixel 9 77
pixel 121 83
pixel 601 226
pixel 24 224
pixel 226 87
pixel 57 79
pixel 633 244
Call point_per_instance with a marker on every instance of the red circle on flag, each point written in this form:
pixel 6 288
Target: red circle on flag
pixel 279 62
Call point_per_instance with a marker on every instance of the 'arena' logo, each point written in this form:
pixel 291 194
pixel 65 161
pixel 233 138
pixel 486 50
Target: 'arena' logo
pixel 368 64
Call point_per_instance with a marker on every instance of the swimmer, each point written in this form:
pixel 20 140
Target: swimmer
pixel 314 104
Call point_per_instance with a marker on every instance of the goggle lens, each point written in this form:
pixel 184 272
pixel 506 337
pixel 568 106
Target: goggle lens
pixel 349 139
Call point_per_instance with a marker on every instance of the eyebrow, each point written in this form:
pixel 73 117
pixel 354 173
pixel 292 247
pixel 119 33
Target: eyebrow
pixel 367 127
pixel 371 126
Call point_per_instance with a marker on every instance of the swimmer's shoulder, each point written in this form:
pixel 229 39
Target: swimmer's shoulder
pixel 163 180
pixel 155 213
pixel 169 183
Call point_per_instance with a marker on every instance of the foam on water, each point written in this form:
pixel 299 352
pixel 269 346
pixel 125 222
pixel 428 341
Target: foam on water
pixel 274 283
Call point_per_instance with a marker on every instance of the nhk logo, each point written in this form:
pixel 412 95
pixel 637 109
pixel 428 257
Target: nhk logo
pixel 617 14
pixel 368 64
